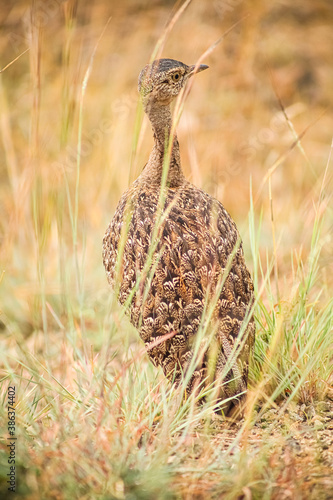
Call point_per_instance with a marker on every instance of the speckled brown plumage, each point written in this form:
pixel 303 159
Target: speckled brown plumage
pixel 187 265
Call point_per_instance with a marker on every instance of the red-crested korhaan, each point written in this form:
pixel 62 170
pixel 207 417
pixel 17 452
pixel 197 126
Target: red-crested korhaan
pixel 174 256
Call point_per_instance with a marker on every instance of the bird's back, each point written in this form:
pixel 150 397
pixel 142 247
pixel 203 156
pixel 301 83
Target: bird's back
pixel 180 264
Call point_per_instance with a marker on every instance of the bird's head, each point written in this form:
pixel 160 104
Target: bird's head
pixel 163 79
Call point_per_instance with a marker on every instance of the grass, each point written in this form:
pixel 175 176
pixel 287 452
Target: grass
pixel 94 419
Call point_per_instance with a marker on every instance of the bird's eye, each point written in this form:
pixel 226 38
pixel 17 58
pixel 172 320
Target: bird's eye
pixel 176 77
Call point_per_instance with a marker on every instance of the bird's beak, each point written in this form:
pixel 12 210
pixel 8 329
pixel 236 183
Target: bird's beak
pixel 197 68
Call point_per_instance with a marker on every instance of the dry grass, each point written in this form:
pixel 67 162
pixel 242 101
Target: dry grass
pixel 94 419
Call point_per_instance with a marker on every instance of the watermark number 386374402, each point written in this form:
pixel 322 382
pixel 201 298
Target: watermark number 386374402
pixel 11 445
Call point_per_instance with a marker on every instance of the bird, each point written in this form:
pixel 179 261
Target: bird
pixel 174 256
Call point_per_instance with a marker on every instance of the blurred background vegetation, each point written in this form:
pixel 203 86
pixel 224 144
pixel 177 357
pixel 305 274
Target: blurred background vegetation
pixel 232 129
pixel 68 150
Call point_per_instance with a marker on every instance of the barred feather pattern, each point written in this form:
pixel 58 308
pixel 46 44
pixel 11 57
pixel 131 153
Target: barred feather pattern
pixel 188 266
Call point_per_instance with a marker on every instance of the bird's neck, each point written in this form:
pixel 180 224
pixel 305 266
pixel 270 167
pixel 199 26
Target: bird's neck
pixel 162 155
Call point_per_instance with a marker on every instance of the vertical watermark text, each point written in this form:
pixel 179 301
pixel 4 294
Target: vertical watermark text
pixel 11 445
